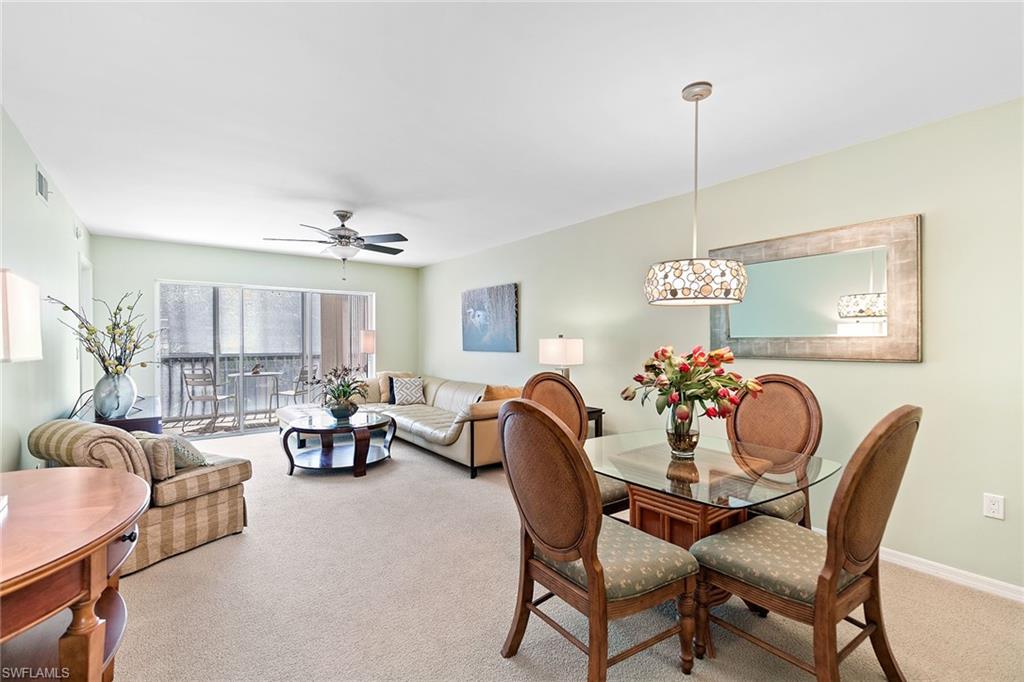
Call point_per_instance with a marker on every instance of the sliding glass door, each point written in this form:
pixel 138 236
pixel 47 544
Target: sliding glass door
pixel 230 355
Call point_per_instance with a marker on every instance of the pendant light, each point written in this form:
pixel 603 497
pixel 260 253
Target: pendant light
pixel 696 281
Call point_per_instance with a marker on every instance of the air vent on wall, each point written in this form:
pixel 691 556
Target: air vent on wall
pixel 42 186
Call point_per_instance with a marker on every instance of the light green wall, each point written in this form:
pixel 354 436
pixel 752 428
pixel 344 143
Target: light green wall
pixel 963 174
pixel 136 265
pixel 37 242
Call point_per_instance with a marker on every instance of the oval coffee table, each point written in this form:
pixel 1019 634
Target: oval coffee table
pixel 352 452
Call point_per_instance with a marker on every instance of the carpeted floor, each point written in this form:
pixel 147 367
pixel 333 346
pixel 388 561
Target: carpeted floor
pixel 410 574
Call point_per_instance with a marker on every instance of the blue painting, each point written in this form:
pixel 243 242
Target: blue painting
pixel 490 319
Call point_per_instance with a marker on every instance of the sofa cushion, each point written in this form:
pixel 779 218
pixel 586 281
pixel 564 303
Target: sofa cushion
pixel 159 451
pixel 430 423
pixel 220 473
pixel 454 395
pixel 492 392
pixel 382 382
pixel 774 555
pixel 634 562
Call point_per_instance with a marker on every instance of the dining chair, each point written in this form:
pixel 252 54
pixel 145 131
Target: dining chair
pixel 558 394
pixel 818 580
pixel 196 384
pixel 605 571
pixel 786 418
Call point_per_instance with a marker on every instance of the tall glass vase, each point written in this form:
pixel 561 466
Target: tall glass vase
pixel 683 434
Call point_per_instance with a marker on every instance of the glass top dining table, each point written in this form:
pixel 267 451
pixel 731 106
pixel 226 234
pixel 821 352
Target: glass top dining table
pixel 723 473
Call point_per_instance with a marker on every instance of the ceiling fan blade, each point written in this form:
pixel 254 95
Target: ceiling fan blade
pixel 312 227
pixel 381 249
pixel 383 238
pixel 314 241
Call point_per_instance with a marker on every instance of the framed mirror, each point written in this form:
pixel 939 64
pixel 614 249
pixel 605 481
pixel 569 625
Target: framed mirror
pixel 845 293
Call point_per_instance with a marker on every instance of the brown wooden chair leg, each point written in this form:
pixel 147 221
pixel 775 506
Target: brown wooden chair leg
pixel 686 607
pixel 826 656
pixel 879 640
pixel 597 655
pixel 523 598
pixel 702 618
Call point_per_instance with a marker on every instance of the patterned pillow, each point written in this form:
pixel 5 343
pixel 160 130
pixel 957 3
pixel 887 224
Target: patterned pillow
pixel 185 454
pixel 408 391
pixel 385 385
pixel 159 451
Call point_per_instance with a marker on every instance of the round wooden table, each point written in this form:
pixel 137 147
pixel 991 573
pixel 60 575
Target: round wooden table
pixel 354 451
pixel 65 533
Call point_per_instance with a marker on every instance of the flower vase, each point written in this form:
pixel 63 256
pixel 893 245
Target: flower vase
pixel 343 410
pixel 682 434
pixel 114 396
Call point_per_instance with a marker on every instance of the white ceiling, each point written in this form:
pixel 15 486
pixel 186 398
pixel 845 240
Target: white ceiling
pixel 463 126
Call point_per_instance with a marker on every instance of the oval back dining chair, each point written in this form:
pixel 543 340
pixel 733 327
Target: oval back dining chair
pixel 818 580
pixel 558 394
pixel 604 572
pixel 786 417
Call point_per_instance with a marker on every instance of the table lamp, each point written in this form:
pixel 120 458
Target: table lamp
pixel 561 352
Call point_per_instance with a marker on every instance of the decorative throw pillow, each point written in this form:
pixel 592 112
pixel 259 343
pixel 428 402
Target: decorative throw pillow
pixel 186 454
pixel 502 392
pixel 385 386
pixel 408 391
pixel 159 451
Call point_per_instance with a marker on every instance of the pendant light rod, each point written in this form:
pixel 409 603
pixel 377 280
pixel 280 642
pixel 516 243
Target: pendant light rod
pixel 695 92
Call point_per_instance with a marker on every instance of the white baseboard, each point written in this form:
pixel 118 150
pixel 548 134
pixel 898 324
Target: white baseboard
pixel 953 575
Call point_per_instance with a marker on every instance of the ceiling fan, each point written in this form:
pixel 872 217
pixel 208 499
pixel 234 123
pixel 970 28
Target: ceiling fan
pixel 344 242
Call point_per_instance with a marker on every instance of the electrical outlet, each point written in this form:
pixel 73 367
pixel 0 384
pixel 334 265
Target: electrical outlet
pixel 993 506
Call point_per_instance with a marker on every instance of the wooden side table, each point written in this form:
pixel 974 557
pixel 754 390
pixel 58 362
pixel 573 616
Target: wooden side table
pixel 65 534
pixel 145 415
pixel 596 415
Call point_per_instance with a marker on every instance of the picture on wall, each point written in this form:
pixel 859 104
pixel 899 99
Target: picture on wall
pixel 490 319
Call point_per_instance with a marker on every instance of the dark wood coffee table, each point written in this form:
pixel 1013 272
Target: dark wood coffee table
pixel 354 450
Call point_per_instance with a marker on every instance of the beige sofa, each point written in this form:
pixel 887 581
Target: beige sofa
pixel 452 422
pixel 188 506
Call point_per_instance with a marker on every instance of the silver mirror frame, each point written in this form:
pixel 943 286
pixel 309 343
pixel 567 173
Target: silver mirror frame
pixel 901 236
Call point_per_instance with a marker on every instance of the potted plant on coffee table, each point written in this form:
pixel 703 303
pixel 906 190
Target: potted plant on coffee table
pixel 341 386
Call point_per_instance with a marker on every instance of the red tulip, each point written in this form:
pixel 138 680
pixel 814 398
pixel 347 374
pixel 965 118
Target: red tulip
pixel 638 378
pixel 734 399
pixel 673 397
pixel 714 361
pixel 696 350
pixel 711 412
pixel 724 410
pixel 682 413
pixel 663 353
pixel 700 359
pixel 723 393
pixel 683 367
pixel 719 371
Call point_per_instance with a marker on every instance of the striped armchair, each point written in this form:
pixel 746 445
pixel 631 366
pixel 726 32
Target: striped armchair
pixel 188 506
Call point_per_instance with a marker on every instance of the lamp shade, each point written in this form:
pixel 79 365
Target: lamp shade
pixel 862 305
pixel 696 281
pixel 342 252
pixel 561 352
pixel 368 341
pixel 21 337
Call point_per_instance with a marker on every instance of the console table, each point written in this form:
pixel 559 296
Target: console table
pixel 66 532
pixel 145 415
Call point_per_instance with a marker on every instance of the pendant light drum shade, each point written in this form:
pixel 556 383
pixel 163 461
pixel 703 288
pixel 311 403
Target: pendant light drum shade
pixel 696 281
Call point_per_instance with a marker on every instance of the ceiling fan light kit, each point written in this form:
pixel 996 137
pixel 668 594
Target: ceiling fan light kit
pixel 343 242
pixel 696 281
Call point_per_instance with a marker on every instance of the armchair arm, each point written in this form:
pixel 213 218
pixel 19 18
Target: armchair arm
pixel 76 443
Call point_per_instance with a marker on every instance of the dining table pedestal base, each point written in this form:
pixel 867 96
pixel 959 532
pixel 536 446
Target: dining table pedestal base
pixel 682 522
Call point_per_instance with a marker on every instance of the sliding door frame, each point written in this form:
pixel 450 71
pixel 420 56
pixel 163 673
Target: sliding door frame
pixel 307 343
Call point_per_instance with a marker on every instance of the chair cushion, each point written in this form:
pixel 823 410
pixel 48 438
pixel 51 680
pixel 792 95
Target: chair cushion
pixel 611 489
pixel 634 562
pixel 771 554
pixel 220 473
pixel 783 508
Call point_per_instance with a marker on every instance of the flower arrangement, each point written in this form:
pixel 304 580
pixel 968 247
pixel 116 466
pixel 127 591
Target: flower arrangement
pixel 681 382
pixel 341 386
pixel 115 345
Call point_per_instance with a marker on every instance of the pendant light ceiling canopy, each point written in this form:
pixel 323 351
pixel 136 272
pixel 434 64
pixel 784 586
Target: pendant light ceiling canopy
pixel 696 281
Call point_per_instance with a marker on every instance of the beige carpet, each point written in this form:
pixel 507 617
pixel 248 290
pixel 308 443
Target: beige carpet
pixel 410 574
